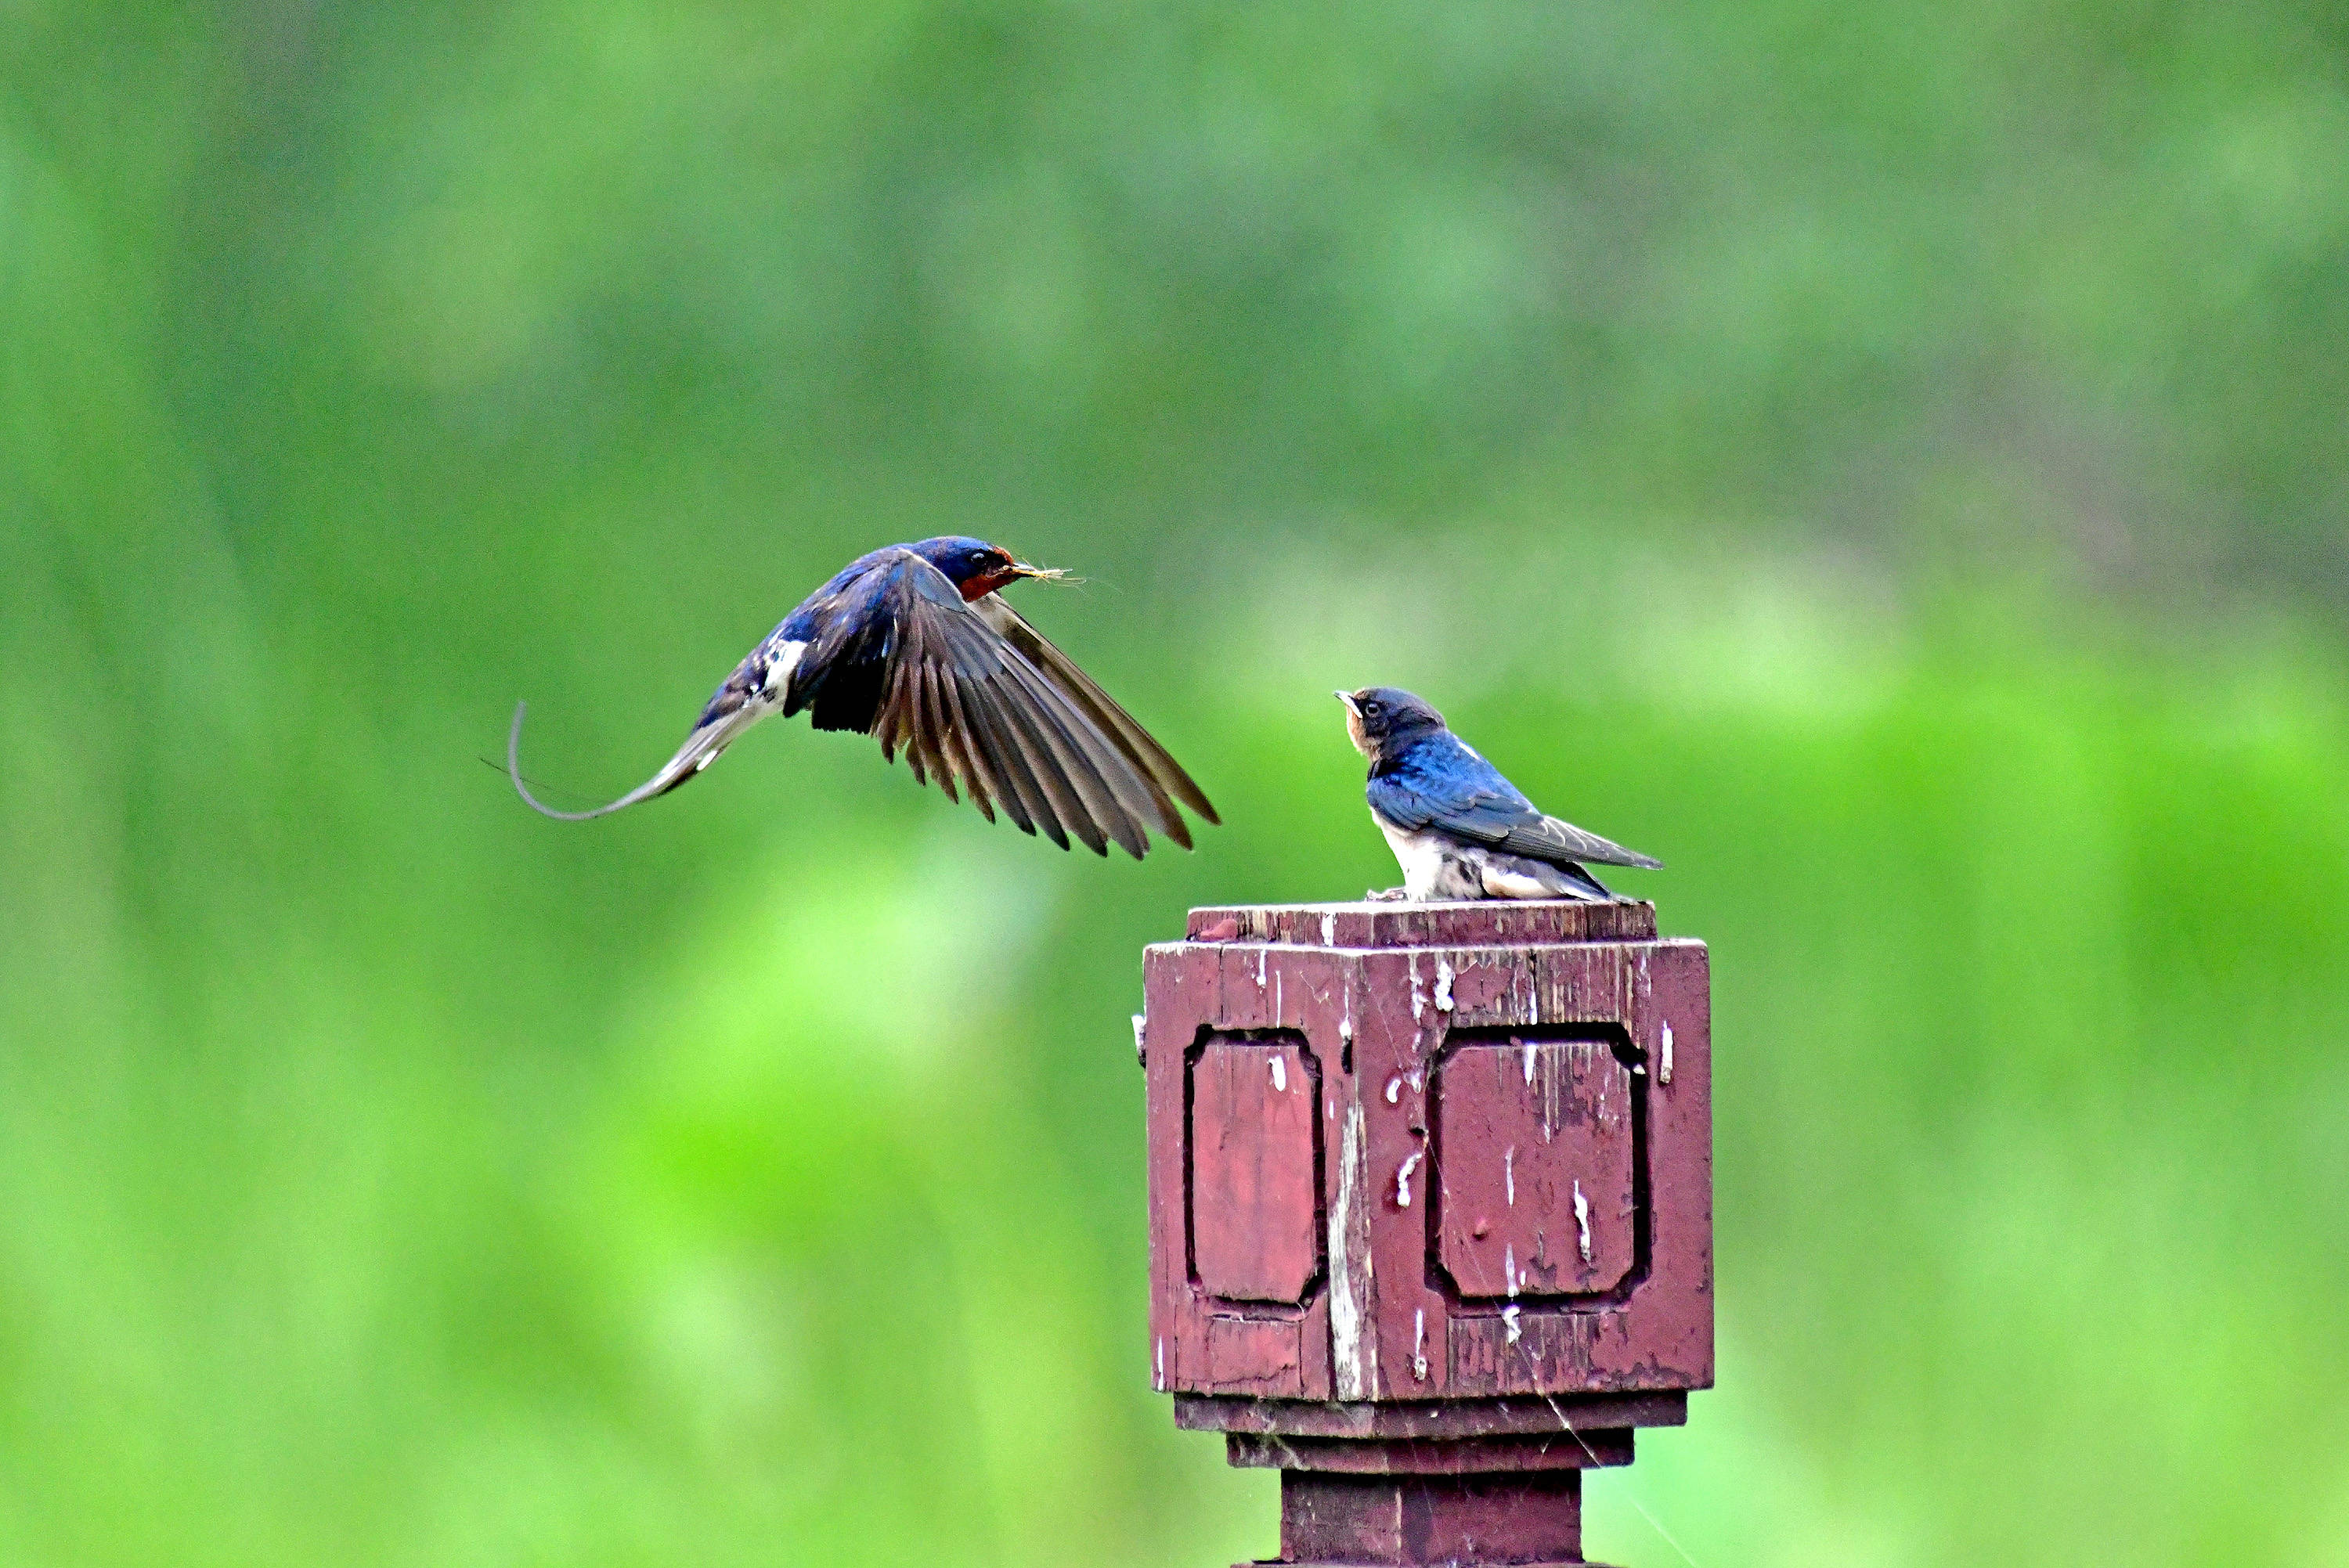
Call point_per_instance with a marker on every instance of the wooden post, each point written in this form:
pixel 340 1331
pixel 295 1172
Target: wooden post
pixel 1431 1211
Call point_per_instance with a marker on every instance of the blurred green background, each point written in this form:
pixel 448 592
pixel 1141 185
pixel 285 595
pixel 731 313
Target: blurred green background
pixel 1889 461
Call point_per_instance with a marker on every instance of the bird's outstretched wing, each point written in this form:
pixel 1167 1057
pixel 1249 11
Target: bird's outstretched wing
pixel 1114 722
pixel 975 697
pixel 1478 804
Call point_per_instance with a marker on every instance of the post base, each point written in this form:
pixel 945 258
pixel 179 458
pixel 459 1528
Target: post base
pixel 1531 1519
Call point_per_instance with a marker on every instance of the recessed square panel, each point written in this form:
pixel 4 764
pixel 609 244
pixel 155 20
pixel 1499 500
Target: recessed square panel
pixel 1254 1184
pixel 1535 1162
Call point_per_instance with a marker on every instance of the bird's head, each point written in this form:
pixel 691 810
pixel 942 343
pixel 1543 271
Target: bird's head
pixel 1380 720
pixel 976 567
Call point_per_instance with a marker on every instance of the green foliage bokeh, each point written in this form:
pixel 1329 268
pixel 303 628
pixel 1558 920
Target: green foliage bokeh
pixel 1888 461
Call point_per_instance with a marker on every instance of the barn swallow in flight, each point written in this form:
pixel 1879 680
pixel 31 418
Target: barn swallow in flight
pixel 1459 829
pixel 913 645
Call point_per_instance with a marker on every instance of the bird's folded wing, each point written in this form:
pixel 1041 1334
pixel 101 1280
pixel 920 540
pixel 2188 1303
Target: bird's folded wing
pixel 1550 839
pixel 1503 820
pixel 966 703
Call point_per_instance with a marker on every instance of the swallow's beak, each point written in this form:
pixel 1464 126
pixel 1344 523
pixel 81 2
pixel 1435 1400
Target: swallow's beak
pixel 1043 573
pixel 1345 696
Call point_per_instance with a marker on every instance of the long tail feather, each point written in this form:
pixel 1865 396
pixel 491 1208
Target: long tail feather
pixel 699 750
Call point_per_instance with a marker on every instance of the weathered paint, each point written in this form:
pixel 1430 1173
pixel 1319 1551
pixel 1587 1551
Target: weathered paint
pixel 1403 1178
pixel 1354 1359
pixel 1253 1181
pixel 1519 1104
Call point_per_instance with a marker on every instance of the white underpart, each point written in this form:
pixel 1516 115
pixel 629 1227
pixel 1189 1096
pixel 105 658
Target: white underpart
pixel 1582 1222
pixel 1437 867
pixel 1421 855
pixel 774 690
pixel 776 687
pixel 1500 883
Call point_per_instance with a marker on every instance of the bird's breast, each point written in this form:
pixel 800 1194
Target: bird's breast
pixel 1422 852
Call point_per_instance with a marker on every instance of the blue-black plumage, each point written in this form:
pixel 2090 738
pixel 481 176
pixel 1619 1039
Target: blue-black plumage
pixel 1458 828
pixel 914 644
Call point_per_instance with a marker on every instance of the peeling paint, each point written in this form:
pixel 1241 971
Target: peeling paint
pixel 1529 1063
pixel 1279 1074
pixel 1509 1270
pixel 1161 1383
pixel 1353 1357
pixel 1582 1222
pixel 1509 1173
pixel 1664 1058
pixel 1415 1078
pixel 1140 1050
pixel 1329 930
pixel 1419 1345
pixel 1444 976
pixel 1402 1178
pixel 1509 1322
pixel 1394 1088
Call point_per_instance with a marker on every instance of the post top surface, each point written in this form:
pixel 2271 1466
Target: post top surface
pixel 1488 923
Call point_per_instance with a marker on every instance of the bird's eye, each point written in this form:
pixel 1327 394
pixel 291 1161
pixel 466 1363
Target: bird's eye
pixel 1372 708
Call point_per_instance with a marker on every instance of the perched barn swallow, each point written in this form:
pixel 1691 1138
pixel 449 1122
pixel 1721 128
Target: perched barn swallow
pixel 1459 829
pixel 913 645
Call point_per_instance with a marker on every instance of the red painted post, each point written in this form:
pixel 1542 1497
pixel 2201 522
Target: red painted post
pixel 1431 1211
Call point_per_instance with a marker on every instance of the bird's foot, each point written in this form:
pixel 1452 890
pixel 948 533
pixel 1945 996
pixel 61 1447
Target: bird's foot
pixel 1392 895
